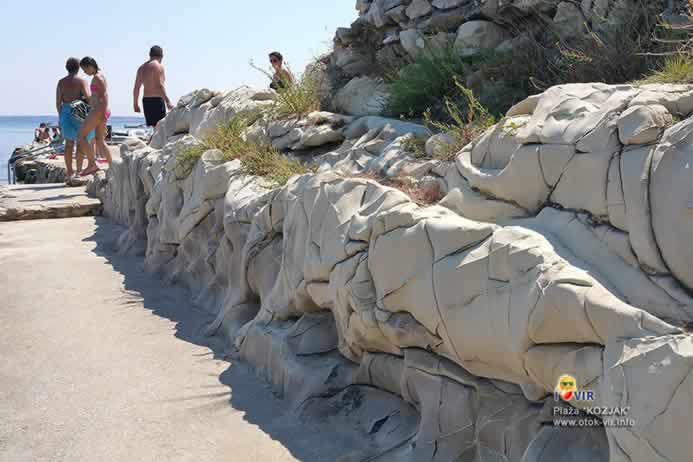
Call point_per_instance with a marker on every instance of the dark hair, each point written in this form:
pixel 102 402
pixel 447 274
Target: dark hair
pixel 42 125
pixel 89 61
pixel 72 65
pixel 276 54
pixel 156 52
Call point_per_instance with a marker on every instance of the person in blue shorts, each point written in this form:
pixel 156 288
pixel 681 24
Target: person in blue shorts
pixel 71 89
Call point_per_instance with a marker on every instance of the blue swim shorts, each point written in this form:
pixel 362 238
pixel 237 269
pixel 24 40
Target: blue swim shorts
pixel 69 125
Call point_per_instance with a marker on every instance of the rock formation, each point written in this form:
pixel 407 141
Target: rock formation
pixel 389 33
pixel 560 247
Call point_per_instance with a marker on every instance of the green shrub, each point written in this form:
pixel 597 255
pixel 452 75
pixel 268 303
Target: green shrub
pixel 510 77
pixel 467 122
pixel 429 78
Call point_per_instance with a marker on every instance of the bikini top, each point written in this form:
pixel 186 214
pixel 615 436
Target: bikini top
pixel 93 88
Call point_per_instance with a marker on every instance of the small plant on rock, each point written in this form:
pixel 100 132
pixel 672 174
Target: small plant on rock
pixel 296 99
pixel 272 165
pixel 229 138
pixel 256 159
pixel 188 156
pixel 466 124
pixel 423 195
pixel 677 68
pixel 414 146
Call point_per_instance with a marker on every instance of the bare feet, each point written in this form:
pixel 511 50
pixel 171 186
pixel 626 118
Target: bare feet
pixel 89 171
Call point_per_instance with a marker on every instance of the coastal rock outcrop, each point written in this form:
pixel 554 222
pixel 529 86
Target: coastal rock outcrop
pixel 388 33
pixel 559 248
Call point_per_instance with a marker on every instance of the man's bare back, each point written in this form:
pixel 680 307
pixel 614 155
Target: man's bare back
pixel 152 77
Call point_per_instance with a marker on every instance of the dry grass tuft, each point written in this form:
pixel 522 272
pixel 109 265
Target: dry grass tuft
pixel 423 196
pixel 256 159
pixel 272 165
pixel 296 99
pixel 677 68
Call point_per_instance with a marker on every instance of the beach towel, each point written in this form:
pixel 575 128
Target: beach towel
pixel 70 125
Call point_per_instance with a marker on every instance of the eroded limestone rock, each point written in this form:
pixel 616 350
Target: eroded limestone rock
pixel 439 333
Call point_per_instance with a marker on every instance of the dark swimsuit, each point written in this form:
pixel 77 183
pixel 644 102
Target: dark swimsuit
pixel 154 109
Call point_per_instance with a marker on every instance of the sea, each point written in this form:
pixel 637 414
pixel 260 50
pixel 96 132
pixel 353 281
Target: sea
pixel 19 130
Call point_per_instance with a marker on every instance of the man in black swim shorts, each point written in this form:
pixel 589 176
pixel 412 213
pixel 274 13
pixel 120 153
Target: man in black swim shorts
pixel 151 76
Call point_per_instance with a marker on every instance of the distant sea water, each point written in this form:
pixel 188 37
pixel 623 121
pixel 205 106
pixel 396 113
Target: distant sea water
pixel 19 130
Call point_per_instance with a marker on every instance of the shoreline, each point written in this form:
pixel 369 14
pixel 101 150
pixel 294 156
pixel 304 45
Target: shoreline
pixel 16 133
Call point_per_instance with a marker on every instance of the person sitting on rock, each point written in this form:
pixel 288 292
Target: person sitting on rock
pixel 282 78
pixel 42 134
pixel 57 136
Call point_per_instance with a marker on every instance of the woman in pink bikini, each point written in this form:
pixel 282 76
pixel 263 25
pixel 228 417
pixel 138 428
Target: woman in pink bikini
pixel 96 120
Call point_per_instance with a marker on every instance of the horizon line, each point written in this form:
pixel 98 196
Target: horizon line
pixel 55 115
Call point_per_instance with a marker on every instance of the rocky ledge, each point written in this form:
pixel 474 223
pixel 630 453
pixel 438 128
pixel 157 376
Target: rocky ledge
pixel 559 247
pixel 33 202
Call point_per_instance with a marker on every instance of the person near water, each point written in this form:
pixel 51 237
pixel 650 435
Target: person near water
pixel 97 118
pixel 42 134
pixel 152 77
pixel 282 78
pixel 71 89
pixel 57 136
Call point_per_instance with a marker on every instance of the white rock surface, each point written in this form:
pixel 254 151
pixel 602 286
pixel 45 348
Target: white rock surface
pixel 317 129
pixel 362 96
pixel 558 249
pixel 603 133
pixel 643 124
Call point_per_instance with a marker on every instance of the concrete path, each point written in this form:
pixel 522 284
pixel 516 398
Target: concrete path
pixel 31 202
pixel 100 361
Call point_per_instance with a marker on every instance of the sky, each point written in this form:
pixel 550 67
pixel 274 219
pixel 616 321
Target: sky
pixel 207 43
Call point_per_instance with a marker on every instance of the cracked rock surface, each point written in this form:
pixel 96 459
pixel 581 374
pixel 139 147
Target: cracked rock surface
pixel 439 332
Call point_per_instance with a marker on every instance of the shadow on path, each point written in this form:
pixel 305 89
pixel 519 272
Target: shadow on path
pixel 245 392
